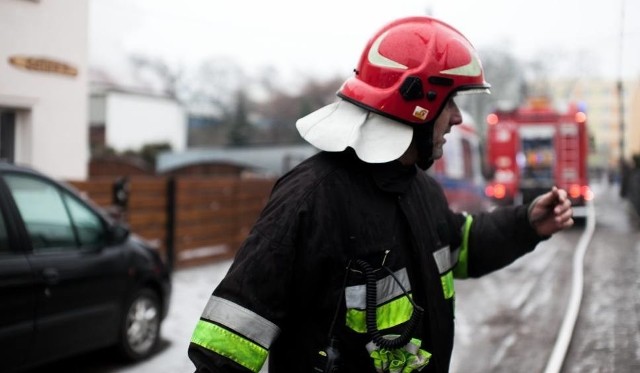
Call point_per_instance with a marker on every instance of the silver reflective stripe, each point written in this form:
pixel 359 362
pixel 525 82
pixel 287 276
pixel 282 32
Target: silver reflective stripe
pixel 455 255
pixel 241 320
pixel 445 259
pixel 387 289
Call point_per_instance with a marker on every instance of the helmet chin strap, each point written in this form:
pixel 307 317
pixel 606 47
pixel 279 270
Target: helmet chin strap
pixel 423 141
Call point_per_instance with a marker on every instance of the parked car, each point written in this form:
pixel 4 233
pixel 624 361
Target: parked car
pixel 71 278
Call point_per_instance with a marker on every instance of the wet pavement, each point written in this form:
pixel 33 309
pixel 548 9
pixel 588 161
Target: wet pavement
pixel 607 333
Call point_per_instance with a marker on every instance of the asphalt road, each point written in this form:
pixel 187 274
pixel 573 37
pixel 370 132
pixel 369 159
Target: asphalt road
pixel 607 332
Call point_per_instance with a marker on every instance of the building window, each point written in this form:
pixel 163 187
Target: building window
pixel 7 135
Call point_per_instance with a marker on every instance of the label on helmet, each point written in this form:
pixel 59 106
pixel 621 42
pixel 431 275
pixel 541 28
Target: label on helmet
pixel 420 113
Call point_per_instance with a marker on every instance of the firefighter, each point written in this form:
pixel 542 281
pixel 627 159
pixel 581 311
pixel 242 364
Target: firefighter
pixel 350 266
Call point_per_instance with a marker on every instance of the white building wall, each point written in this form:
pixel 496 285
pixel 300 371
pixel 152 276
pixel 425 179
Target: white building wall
pixel 51 121
pixel 134 120
pixel 97 110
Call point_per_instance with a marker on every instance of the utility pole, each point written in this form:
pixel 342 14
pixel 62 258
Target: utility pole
pixel 624 171
pixel 620 85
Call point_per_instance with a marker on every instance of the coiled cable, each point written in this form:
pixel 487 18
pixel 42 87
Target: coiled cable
pixel 371 305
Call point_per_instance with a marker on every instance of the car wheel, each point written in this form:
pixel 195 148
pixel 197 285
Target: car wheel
pixel 140 328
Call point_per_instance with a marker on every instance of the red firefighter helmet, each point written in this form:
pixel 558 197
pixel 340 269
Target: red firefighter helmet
pixel 411 67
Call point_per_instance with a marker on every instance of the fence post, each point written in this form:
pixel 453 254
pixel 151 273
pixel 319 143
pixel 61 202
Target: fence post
pixel 170 228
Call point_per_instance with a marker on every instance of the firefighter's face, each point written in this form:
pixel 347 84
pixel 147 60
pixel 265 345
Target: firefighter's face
pixel 449 117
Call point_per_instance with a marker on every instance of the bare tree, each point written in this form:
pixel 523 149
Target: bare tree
pixel 158 75
pixel 215 83
pixel 239 133
pixel 508 85
pixel 281 110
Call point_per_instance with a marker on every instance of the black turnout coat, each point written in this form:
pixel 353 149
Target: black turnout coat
pixel 289 276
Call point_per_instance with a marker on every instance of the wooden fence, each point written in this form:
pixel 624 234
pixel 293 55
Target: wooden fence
pixel 192 219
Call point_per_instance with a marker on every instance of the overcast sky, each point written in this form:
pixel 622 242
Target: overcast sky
pixel 326 37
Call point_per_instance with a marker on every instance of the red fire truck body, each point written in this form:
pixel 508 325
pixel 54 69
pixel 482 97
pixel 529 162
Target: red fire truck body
pixel 534 147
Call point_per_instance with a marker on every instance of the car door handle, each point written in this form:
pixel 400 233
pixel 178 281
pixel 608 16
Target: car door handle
pixel 50 276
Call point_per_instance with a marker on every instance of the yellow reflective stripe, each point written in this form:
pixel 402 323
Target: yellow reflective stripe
pixel 461 269
pixel 388 315
pixel 447 285
pixel 230 345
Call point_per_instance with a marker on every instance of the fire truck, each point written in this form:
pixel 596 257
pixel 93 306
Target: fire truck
pixel 532 148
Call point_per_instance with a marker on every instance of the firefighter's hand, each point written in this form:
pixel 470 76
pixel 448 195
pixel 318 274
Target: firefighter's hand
pixel 551 212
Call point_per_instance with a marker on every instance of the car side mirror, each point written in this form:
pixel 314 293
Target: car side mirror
pixel 118 233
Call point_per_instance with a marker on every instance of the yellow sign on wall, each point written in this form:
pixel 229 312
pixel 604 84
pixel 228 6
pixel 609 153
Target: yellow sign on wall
pixel 43 64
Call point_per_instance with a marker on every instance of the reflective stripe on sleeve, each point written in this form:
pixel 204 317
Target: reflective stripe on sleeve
pixel 447 285
pixel 241 320
pixel 461 268
pixel 226 343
